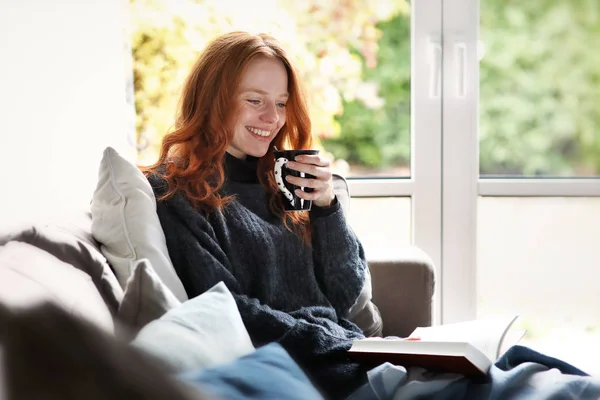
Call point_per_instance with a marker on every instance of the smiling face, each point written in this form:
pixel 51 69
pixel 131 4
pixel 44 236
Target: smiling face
pixel 261 96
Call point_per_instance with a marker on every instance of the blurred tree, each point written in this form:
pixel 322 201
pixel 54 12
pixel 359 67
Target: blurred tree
pixel 318 34
pixel 540 87
pixel 375 127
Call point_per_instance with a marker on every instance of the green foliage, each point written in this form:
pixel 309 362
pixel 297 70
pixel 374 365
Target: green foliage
pixel 379 135
pixel 540 87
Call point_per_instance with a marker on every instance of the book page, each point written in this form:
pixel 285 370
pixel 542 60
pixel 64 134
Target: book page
pixel 486 335
pixel 512 337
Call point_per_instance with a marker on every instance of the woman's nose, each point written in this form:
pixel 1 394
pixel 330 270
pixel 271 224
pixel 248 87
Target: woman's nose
pixel 270 114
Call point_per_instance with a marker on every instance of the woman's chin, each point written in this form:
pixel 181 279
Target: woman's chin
pixel 258 153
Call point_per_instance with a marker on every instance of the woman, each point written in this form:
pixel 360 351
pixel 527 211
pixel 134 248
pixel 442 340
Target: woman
pixel 294 275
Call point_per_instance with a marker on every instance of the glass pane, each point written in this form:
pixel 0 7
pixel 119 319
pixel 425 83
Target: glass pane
pixel 539 258
pixel 353 57
pixel 383 225
pixel 540 88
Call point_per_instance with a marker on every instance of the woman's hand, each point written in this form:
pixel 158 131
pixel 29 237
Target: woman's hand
pixel 322 185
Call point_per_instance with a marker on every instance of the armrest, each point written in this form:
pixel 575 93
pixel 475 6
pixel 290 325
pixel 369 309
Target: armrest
pixel 403 291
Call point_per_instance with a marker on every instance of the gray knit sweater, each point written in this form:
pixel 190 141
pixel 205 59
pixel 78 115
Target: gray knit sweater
pixel 286 291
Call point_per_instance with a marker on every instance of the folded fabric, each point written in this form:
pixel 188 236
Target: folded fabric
pixel 268 373
pixel 520 373
pixel 202 332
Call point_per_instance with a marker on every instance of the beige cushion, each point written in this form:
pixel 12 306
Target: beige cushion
pixel 146 297
pixel 202 332
pixel 125 222
pixel 29 275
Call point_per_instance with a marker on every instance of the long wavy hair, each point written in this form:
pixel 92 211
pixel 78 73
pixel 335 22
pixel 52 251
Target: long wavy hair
pixel 191 155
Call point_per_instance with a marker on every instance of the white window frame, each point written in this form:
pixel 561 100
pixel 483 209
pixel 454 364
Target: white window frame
pixel 460 165
pixel 424 184
pixel 539 187
pixel 462 184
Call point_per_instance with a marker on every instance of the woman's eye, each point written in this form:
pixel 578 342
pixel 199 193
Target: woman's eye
pixel 281 105
pixel 253 101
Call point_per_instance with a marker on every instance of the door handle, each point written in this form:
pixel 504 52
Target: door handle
pixel 460 57
pixel 435 69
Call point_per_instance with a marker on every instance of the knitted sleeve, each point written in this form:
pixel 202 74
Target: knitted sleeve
pixel 340 263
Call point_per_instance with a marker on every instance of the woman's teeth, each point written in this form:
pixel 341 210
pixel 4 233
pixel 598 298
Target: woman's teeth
pixel 259 132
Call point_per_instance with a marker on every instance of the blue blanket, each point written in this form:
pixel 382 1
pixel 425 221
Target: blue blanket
pixel 521 373
pixel 267 374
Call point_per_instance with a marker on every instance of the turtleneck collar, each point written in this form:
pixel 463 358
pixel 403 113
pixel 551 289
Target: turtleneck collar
pixel 244 171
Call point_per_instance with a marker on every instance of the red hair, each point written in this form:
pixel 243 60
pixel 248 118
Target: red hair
pixel 191 156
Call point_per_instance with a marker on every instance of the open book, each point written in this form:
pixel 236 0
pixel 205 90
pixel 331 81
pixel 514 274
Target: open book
pixel 468 348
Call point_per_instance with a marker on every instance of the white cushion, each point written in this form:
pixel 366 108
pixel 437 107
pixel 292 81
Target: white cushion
pixel 202 332
pixel 125 222
pixel 146 297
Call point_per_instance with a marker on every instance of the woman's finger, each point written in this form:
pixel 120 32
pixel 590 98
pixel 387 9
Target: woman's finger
pixel 320 173
pixel 306 168
pixel 316 159
pixel 308 195
pixel 307 182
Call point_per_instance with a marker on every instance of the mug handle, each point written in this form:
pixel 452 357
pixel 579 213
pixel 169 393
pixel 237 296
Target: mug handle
pixel 279 163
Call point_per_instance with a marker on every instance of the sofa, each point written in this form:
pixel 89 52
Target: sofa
pixel 65 260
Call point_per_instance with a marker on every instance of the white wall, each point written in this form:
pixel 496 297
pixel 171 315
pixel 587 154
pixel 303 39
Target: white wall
pixel 62 101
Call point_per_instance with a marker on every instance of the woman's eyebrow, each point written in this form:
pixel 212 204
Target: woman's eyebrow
pixel 260 91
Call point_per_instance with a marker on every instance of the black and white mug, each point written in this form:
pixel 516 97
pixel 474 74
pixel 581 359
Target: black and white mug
pixel 291 201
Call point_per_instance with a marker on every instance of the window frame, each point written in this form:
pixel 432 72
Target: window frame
pixel 424 184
